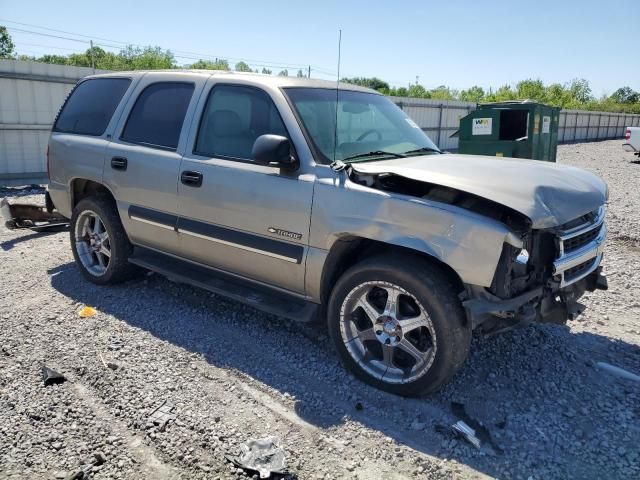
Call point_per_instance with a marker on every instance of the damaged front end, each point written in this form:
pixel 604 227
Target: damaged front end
pixel 541 273
pixel 543 281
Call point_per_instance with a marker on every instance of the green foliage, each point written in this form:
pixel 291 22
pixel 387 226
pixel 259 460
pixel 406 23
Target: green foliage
pixel 55 59
pixel 300 74
pixel 401 92
pixel 474 94
pixel 283 73
pixel 443 93
pixel 580 90
pixel 576 94
pixel 148 58
pixel 209 65
pixel 502 94
pixel 266 71
pixel 417 91
pixel 242 67
pixel 7 48
pixel 625 95
pixel 532 89
pixel 373 82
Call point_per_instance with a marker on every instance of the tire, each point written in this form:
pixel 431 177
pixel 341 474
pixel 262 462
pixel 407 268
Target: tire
pixel 117 268
pixel 440 339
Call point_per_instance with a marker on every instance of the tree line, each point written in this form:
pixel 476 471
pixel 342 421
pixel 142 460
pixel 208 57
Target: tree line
pixel 575 94
pixel 128 58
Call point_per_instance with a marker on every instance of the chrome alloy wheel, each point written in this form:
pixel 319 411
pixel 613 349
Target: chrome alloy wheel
pixel 92 243
pixel 387 332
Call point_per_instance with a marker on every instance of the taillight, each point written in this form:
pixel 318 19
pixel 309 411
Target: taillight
pixel 48 168
pixel 627 135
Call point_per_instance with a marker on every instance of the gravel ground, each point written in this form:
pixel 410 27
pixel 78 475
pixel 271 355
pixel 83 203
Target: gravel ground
pixel 232 373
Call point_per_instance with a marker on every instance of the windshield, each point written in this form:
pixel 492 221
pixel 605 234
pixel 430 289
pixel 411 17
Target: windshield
pixel 370 126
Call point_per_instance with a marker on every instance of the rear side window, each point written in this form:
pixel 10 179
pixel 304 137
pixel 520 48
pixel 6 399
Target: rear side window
pixel 158 114
pixel 233 118
pixel 90 106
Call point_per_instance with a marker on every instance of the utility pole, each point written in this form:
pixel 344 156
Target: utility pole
pixel 93 63
pixel 309 72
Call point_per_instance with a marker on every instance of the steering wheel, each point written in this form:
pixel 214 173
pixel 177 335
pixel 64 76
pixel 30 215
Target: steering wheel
pixel 369 132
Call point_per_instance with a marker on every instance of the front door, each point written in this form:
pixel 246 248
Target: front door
pixel 235 215
pixel 143 159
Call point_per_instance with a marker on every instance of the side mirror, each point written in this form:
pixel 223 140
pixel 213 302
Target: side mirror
pixel 275 151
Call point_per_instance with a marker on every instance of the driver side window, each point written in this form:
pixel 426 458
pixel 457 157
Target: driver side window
pixel 233 117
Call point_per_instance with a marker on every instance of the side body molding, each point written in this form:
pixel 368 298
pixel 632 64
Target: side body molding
pixel 243 240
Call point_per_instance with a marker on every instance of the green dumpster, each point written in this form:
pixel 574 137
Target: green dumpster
pixel 521 129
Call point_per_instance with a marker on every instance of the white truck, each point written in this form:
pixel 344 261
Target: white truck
pixel 632 140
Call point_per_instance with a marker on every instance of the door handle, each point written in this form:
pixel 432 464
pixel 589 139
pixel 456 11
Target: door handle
pixel 191 179
pixel 119 163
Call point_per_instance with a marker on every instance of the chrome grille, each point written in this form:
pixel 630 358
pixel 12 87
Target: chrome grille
pixel 574 243
pixel 580 245
pixel 576 272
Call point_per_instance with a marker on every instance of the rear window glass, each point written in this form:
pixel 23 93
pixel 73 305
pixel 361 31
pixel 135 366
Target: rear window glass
pixel 90 106
pixel 157 116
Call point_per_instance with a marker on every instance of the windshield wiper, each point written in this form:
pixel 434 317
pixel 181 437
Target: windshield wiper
pixel 423 149
pixel 374 153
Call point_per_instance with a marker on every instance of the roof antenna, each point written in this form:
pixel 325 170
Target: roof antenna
pixel 337 165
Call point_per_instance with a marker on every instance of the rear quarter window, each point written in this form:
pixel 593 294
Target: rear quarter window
pixel 90 106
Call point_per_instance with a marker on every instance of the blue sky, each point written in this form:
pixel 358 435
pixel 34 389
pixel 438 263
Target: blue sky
pixel 455 43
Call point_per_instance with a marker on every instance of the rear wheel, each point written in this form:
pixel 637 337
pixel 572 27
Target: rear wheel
pixel 99 243
pixel 397 324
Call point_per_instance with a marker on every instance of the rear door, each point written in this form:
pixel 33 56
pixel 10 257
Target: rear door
pixel 143 158
pixel 244 218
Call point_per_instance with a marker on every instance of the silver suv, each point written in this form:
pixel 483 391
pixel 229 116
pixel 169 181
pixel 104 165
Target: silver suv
pixel 309 201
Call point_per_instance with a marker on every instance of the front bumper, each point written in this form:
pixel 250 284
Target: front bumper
pixel 627 147
pixel 576 269
pixel 541 304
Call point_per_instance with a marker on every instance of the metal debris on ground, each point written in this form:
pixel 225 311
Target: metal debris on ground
pixel 617 371
pixel 162 415
pixel 87 312
pixel 264 456
pixel 466 432
pixel 19 215
pixel 478 429
pixel 51 377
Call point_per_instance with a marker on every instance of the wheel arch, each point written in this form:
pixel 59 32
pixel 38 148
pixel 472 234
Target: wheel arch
pixel 80 188
pixel 350 249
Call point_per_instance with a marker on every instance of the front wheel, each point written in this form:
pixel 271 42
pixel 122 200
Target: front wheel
pixel 398 324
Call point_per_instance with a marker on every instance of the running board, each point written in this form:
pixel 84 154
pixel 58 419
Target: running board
pixel 257 296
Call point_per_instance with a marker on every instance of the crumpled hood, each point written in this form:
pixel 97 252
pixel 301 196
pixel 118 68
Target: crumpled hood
pixel 549 194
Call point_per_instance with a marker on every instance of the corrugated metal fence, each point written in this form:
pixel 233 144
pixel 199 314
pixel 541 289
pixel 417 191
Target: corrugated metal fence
pixel 31 94
pixel 439 119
